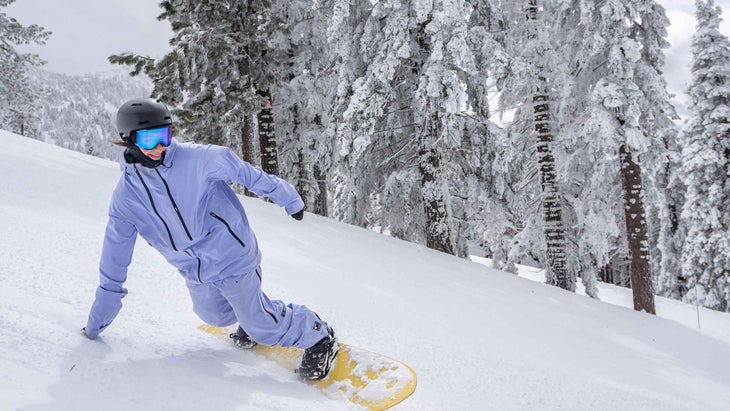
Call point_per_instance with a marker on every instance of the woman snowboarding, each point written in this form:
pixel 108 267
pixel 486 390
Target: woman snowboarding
pixel 176 196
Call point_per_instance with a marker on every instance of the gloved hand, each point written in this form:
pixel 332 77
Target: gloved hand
pixel 298 215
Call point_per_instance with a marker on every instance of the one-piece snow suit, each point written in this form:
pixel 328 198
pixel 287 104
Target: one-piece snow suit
pixel 187 211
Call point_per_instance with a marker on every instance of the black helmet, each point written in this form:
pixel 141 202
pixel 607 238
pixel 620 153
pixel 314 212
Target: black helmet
pixel 139 113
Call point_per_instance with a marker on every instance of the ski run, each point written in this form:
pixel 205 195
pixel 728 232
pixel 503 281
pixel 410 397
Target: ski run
pixel 478 338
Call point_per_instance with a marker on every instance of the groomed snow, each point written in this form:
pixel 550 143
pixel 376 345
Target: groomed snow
pixel 479 339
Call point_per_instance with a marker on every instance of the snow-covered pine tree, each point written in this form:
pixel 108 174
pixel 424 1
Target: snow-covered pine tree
pixel 597 82
pixel 500 198
pixel 375 149
pixel 18 101
pixel 589 181
pixel 214 69
pixel 477 197
pixel 303 99
pixel 660 160
pixel 632 113
pixel 657 113
pixel 21 111
pixel 403 121
pixel 705 165
pixel 373 135
pixel 254 75
pixel 343 34
pixel 670 282
pixel 448 64
pixel 529 86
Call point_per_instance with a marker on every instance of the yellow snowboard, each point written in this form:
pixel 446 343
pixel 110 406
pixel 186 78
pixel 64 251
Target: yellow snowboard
pixel 365 378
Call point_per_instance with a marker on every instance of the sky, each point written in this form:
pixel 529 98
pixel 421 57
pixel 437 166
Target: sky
pixel 86 32
pixel 118 26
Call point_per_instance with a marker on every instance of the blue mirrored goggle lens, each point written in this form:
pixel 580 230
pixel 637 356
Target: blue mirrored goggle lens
pixel 150 137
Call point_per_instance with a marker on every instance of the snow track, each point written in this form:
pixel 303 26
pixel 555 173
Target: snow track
pixel 479 339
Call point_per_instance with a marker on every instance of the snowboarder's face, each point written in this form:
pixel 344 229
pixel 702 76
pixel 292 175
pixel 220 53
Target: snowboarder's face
pixel 156 153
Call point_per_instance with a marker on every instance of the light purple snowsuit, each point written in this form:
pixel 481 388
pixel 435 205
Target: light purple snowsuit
pixel 186 210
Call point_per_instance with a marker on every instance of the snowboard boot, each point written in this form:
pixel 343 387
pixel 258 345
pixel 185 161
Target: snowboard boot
pixel 242 340
pixel 318 359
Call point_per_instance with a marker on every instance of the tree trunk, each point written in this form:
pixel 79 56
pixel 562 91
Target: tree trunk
pixel 437 230
pixel 247 146
pixel 636 230
pixel 552 212
pixel 320 204
pixel 320 177
pixel 438 233
pixel 302 177
pixel 267 136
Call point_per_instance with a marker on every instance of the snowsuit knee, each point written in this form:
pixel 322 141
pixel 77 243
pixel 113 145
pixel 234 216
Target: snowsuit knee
pixel 269 322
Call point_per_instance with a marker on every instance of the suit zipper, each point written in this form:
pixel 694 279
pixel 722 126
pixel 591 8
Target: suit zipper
pixel 174 205
pixel 214 215
pixel 149 194
pixel 197 258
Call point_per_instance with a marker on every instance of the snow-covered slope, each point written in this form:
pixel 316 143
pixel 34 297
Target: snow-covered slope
pixel 479 339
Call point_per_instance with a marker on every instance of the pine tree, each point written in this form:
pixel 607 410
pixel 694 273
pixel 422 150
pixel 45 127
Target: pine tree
pixel 375 144
pixel 375 121
pixel 214 69
pixel 634 108
pixel 479 201
pixel 502 192
pixel 706 164
pixel 303 98
pixel 403 122
pixel 530 149
pixel 351 57
pixel 17 99
pixel 660 159
pixel 21 110
pixel 610 105
pixel 446 64
pixel 252 75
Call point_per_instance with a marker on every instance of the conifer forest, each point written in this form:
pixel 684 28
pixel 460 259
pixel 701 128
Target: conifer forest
pixel 536 132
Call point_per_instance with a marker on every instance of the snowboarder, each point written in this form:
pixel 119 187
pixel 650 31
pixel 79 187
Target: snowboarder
pixel 176 196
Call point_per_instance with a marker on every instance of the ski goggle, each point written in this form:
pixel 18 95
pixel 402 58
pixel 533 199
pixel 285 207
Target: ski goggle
pixel 148 138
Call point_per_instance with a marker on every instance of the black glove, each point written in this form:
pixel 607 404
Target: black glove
pixel 298 215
